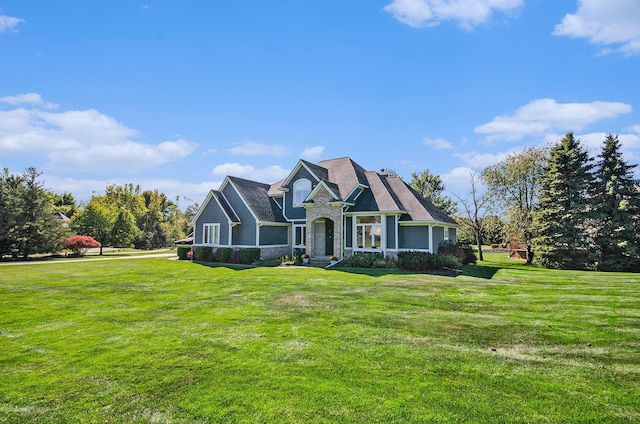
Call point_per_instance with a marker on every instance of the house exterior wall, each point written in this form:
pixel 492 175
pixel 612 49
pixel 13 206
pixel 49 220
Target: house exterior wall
pixel 212 214
pixel 348 232
pixel 245 233
pixel 438 237
pixel 391 232
pixel 413 237
pixel 274 235
pixel 291 212
pixel 315 233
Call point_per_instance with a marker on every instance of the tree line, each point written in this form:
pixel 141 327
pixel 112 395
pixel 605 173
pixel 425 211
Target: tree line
pixel 32 218
pixel 571 211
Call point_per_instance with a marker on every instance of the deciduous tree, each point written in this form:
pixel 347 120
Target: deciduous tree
pixel 514 184
pixel 432 188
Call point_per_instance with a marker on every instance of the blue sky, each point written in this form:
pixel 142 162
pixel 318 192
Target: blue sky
pixel 176 95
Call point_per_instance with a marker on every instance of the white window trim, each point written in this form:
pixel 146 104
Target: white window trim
pixel 211 229
pixel 356 241
pixel 298 202
pixel 303 228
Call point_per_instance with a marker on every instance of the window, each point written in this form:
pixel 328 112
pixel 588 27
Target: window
pixel 299 235
pixel 368 232
pixel 211 234
pixel 446 234
pixel 301 189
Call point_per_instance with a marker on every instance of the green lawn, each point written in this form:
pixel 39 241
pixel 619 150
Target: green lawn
pixel 154 340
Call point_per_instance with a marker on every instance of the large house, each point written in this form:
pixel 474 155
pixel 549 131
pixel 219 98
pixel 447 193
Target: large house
pixel 331 208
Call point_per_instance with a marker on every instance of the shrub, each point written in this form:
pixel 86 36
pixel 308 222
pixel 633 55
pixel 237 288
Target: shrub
pixel 368 260
pixel 79 245
pixel 202 253
pixel 223 254
pixel 249 255
pixel 183 249
pixel 423 261
pixel 234 258
pixel 462 251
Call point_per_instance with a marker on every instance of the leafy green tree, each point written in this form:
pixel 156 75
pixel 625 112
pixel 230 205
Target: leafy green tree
pixel 65 203
pixel 94 220
pixel 494 230
pixel 514 184
pixel 561 220
pixel 616 205
pixel 124 229
pixel 431 187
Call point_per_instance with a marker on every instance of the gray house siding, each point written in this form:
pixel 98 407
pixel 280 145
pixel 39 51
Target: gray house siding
pixel 391 232
pixel 438 237
pixel 413 237
pixel 348 232
pixel 297 212
pixel 245 233
pixel 212 214
pixel 272 235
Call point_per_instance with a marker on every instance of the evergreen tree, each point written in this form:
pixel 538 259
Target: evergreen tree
pixel 560 223
pixel 616 205
pixel 10 210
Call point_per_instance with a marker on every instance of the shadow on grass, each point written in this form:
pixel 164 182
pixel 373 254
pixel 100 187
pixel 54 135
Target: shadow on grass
pixel 480 271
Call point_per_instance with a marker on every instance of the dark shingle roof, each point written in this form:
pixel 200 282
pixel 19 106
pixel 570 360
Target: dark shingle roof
pixel 345 173
pixel 226 206
pixel 256 195
pixel 417 207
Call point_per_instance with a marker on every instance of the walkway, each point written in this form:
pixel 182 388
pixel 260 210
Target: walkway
pixel 106 258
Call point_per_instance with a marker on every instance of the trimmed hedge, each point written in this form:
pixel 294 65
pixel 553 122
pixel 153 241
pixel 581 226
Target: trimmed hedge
pixel 223 254
pixel 249 255
pixel 424 261
pixel 202 253
pixel 183 249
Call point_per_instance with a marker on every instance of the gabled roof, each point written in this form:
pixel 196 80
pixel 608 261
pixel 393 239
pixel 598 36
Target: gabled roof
pixel 418 208
pixel 231 214
pixel 256 197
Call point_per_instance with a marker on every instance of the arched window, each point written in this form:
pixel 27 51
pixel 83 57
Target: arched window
pixel 301 189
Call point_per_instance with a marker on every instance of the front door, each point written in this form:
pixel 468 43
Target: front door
pixel 328 237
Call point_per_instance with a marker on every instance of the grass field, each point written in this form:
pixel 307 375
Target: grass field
pixel 154 340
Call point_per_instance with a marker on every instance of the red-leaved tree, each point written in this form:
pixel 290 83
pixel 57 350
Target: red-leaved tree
pixel 79 245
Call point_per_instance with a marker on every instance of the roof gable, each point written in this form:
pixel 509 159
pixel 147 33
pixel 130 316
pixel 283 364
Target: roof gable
pixel 256 197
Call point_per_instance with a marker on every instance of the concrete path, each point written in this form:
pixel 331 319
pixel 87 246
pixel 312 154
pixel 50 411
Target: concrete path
pixel 106 258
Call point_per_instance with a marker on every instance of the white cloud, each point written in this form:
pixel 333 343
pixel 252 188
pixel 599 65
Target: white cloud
pixel 83 140
pixel 8 23
pixel 546 115
pixel 32 99
pixel 437 143
pixel 258 149
pixel 267 175
pixel 606 23
pixel 312 153
pixel 468 13
pixel 458 178
pixel 480 161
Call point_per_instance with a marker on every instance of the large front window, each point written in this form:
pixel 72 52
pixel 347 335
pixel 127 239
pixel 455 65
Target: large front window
pixel 368 232
pixel 299 235
pixel 211 234
pixel 301 189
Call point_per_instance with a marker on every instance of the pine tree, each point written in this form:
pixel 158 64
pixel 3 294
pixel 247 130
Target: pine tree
pixel 616 205
pixel 560 223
